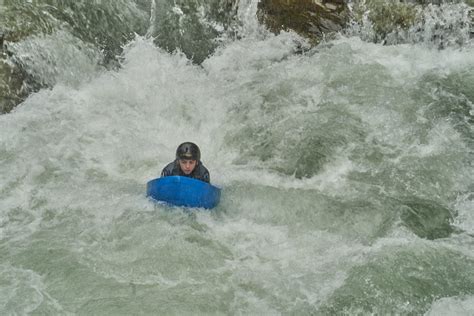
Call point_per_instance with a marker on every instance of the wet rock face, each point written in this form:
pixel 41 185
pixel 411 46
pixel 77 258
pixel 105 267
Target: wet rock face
pixel 437 23
pixel 184 25
pixel 11 85
pixel 309 18
pixel 17 22
pixel 386 16
pixel 471 15
pixel 12 90
pixel 114 24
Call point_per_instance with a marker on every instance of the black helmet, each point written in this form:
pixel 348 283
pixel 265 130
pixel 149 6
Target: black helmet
pixel 188 150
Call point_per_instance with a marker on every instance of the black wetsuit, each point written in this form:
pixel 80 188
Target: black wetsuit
pixel 200 172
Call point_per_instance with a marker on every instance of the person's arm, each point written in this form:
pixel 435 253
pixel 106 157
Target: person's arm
pixel 164 173
pixel 168 170
pixel 207 177
pixel 204 174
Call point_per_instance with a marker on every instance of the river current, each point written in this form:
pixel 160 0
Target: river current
pixel 346 170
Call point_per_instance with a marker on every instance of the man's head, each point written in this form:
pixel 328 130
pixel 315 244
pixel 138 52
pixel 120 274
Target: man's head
pixel 187 165
pixel 188 156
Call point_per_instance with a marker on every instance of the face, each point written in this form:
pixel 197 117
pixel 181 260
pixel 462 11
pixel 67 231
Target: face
pixel 187 165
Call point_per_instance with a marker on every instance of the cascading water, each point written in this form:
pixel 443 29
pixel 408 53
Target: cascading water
pixel 346 171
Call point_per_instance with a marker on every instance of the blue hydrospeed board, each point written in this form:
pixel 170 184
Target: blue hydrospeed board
pixel 183 191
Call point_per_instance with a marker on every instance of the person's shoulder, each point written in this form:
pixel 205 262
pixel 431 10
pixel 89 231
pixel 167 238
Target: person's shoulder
pixel 170 165
pixel 202 173
pixel 168 169
pixel 202 168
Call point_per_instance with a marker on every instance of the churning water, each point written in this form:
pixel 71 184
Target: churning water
pixel 347 176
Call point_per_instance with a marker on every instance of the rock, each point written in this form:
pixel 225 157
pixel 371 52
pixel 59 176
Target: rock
pixel 108 25
pixel 310 18
pixel 183 25
pixel 471 15
pixel 396 22
pixel 385 16
pixel 12 91
pixel 105 25
pixel 17 22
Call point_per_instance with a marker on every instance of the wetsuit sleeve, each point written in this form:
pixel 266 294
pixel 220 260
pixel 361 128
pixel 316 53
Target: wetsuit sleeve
pixel 204 174
pixel 164 173
pixel 206 177
pixel 168 170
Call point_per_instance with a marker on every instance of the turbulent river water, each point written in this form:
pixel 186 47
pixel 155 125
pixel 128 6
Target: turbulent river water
pixel 347 176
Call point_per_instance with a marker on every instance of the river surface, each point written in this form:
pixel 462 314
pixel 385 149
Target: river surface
pixel 346 174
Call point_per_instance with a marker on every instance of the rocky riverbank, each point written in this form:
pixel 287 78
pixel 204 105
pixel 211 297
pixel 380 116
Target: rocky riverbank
pixel 103 26
pixel 99 29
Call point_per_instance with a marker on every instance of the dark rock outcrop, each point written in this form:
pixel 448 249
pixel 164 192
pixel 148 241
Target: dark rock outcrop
pixel 385 16
pixel 193 27
pixel 436 23
pixel 312 19
pixel 391 22
pixel 104 25
pixel 12 91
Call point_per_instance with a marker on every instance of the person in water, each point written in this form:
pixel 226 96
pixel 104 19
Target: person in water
pixel 187 163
